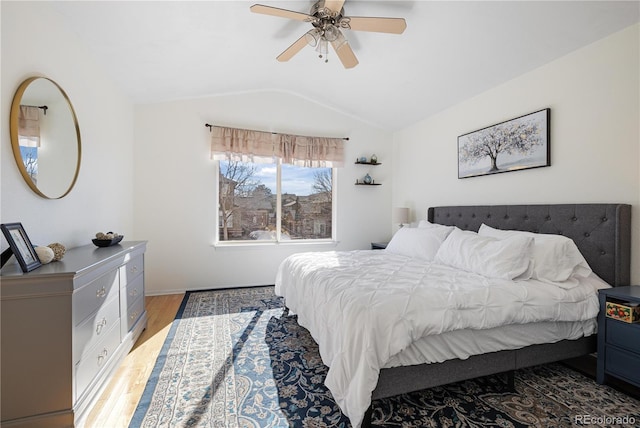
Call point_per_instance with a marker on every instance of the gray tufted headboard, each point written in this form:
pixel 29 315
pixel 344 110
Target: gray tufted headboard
pixel 602 232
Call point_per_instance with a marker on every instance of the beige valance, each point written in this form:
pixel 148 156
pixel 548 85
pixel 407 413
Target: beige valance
pixel 259 147
pixel 29 126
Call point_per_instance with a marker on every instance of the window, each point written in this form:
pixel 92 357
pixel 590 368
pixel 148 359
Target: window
pixel 274 202
pixel 289 197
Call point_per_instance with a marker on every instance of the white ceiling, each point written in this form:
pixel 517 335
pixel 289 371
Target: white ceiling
pixel 450 51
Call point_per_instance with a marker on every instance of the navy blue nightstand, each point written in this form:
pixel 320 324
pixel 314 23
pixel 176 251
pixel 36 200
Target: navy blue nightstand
pixel 618 341
pixel 378 245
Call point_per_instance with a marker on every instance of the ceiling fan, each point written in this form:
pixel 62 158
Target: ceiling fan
pixel 327 18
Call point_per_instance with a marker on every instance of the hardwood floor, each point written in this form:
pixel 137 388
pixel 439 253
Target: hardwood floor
pixel 118 401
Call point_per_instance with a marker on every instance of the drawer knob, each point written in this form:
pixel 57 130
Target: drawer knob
pixel 133 293
pixel 133 315
pixel 101 325
pixel 102 356
pixel 101 292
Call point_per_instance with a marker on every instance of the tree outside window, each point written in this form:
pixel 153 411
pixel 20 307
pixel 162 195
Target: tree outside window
pixel 30 158
pixel 249 208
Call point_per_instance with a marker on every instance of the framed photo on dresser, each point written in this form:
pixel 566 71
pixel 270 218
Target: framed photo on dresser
pixel 21 246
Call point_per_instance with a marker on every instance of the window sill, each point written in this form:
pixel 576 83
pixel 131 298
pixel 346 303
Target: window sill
pixel 270 244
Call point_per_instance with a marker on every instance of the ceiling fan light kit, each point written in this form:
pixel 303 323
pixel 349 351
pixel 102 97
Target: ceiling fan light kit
pixel 327 18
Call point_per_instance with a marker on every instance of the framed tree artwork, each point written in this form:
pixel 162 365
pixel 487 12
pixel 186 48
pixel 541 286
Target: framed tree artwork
pixel 516 144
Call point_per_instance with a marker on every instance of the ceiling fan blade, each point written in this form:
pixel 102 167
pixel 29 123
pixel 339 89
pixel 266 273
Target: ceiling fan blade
pixel 378 25
pixel 345 53
pixel 293 49
pixel 282 13
pixel 334 5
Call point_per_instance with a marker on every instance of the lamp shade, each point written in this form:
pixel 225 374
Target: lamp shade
pixel 313 37
pixel 401 215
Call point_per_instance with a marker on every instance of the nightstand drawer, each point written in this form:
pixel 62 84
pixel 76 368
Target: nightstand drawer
pixel 624 365
pixel 622 335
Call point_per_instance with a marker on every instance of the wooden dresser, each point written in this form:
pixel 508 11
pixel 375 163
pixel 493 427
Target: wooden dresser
pixel 65 328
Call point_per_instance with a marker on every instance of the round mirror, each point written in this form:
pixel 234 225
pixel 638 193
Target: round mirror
pixel 45 137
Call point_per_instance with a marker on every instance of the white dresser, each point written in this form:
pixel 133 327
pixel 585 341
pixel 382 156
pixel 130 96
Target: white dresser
pixel 65 328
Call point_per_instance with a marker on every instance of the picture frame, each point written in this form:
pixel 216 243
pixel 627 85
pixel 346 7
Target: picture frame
pixel 520 143
pixel 21 246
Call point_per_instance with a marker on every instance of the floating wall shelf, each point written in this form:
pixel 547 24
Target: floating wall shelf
pixel 360 182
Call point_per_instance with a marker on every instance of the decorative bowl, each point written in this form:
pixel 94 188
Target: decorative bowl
pixel 107 242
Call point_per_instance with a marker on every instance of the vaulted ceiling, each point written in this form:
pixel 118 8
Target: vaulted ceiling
pixel 451 50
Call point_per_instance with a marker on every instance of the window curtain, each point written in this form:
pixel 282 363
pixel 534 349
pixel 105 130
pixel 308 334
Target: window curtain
pixel 315 152
pixel 255 146
pixel 29 126
pixel 242 145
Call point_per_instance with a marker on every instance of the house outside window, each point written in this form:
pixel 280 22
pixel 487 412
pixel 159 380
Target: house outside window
pixel 274 202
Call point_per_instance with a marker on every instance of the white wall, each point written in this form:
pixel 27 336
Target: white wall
pixel 36 43
pixel 593 94
pixel 175 187
pixel 594 98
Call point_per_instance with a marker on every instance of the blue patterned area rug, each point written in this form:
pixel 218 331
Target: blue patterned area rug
pixel 235 358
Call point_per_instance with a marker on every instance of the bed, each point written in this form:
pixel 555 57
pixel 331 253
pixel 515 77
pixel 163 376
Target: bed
pixel 370 368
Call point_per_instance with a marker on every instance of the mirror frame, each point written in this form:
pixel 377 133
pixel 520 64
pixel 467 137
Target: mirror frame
pixel 15 145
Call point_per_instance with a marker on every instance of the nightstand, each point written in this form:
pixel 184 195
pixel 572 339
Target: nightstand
pixel 618 341
pixel 378 245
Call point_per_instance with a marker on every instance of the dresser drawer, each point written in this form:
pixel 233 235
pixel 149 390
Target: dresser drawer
pixel 623 364
pixel 90 297
pixel 622 335
pixel 95 359
pixel 132 292
pixel 94 328
pixel 131 269
pixel 134 311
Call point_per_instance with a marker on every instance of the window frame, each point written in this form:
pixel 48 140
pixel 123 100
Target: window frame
pixel 278 241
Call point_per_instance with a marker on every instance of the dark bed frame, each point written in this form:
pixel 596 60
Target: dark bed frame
pixel 602 233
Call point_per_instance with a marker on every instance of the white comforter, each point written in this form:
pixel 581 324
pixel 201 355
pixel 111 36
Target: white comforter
pixel 363 307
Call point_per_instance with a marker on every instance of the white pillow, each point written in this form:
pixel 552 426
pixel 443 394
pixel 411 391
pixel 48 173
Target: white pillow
pixel 424 224
pixel 556 258
pixel 417 242
pixel 508 258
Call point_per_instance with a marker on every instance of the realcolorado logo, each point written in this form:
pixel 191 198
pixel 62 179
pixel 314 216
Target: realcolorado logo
pixel 605 420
